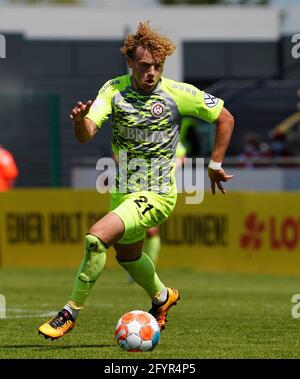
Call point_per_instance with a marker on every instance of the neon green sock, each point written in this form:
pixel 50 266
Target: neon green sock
pixel 81 289
pixel 143 272
pixel 89 270
pixel 152 247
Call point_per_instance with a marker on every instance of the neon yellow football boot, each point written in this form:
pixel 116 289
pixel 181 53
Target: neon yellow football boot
pixel 59 325
pixel 160 312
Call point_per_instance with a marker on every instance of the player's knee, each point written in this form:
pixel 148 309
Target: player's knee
pixel 93 244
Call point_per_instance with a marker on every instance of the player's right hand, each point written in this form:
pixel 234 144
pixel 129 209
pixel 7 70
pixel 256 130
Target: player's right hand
pixel 80 110
pixel 216 177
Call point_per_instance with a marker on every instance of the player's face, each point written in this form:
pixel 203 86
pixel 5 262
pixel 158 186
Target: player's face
pixel 146 70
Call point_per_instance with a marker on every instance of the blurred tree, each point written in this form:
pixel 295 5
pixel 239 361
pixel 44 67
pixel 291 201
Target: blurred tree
pixel 44 1
pixel 154 1
pixel 214 2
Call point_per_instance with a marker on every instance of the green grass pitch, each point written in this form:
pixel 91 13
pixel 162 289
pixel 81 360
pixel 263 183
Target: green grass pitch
pixel 220 315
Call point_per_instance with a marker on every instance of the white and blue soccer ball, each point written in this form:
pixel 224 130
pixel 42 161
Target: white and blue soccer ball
pixel 137 331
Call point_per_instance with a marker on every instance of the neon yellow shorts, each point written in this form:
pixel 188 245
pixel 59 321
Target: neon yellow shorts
pixel 140 211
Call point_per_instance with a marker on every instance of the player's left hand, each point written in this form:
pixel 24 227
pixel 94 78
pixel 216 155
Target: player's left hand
pixel 216 177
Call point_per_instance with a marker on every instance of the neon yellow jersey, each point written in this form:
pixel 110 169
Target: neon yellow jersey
pixel 146 125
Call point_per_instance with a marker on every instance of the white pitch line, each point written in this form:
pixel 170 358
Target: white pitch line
pixel 28 313
pixel 20 310
pixel 32 316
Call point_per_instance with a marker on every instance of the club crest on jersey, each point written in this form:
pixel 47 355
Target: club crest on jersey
pixel 157 109
pixel 210 100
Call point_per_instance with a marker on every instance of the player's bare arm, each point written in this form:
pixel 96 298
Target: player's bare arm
pixel 84 128
pixel 224 128
pixel 179 162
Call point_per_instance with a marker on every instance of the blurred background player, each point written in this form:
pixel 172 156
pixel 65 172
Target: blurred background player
pixel 147 109
pixel 8 170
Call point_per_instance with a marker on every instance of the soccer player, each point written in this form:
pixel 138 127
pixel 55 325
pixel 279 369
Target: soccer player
pixel 146 109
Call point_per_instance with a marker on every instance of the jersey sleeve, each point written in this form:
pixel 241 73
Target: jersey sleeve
pixel 102 106
pixel 196 103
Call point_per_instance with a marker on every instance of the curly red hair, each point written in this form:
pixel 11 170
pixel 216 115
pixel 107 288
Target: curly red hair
pixel 159 45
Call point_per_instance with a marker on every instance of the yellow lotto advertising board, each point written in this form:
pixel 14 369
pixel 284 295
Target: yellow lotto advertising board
pixel 242 232
pixel 46 227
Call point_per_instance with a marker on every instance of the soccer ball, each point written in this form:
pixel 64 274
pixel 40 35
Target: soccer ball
pixel 137 331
